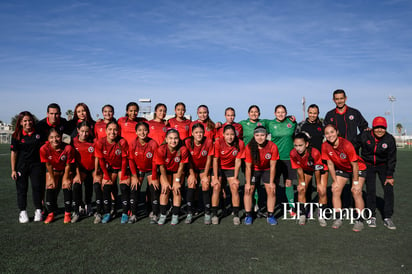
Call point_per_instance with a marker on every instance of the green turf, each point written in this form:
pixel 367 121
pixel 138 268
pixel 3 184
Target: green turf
pixel 114 248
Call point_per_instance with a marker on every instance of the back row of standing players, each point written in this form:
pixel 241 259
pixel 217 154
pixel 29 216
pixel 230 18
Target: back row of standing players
pixel 166 152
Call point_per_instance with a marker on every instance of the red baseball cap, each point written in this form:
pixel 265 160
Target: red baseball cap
pixel 379 122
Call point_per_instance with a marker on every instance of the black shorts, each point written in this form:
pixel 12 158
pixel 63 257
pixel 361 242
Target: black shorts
pixel 227 173
pixel 199 171
pixel 259 176
pixel 113 170
pixel 284 167
pixel 142 174
pixel 348 175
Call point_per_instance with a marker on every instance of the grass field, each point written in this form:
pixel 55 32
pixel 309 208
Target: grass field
pixel 113 248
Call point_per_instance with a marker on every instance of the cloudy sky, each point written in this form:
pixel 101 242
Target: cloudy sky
pixel 218 53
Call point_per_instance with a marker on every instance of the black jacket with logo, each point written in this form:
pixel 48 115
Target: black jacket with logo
pixel 378 151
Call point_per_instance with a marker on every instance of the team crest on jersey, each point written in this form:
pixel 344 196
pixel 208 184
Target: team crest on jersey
pixel 204 153
pixel 258 124
pixel 268 156
pixel 164 129
pixel 319 129
pixel 343 155
pixel 186 128
pixel 149 155
pixel 385 145
pixel 118 152
pixel 177 159
pixel 23 141
pixel 63 158
pixel 37 136
pixel 152 127
pixel 289 125
pixel 234 153
pixel 368 142
pixel 351 117
pixel 90 149
pixel 331 119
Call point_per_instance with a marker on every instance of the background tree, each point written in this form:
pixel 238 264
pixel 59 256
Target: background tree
pixel 399 127
pixel 69 114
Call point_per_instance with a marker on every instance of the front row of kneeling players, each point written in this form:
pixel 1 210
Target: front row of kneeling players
pixel 166 167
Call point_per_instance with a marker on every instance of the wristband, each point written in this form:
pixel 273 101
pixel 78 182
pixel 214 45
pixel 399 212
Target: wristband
pixel 355 182
pixel 303 183
pixel 177 180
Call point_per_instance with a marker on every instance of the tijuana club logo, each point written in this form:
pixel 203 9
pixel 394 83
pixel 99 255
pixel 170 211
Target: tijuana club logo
pixel 351 117
pixel 384 145
pixel 204 153
pixel 63 158
pixel 90 149
pixel 343 155
pixel 149 155
pixel 164 129
pixel 268 156
pixel 177 159
pixel 186 128
pixel 118 152
pixel 234 153
pixel 37 136
pixel 289 125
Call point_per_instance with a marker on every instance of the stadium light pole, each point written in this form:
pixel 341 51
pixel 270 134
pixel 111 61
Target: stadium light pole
pixel 392 99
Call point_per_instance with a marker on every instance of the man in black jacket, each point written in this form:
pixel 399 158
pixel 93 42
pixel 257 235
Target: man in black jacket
pixel 348 120
pixel 378 150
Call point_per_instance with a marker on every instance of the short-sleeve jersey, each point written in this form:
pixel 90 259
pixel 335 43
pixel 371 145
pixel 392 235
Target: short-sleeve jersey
pixel 199 154
pixel 27 148
pixel 238 129
pixel 183 127
pixel 249 127
pixel 171 160
pixel 143 155
pixel 128 127
pixel 228 154
pixel 282 135
pixel 43 127
pixel 157 131
pixel 100 129
pixel 266 154
pixel 209 133
pixel 84 154
pixel 57 158
pixel 299 161
pixel 342 156
pixel 112 153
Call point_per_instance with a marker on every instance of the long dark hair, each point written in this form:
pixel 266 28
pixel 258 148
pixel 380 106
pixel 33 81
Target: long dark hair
pixel 235 142
pixel 192 139
pixel 305 137
pixel 210 124
pixel 87 124
pixel 118 138
pixel 86 108
pixel 254 147
pixel 183 105
pixel 179 144
pixel 18 131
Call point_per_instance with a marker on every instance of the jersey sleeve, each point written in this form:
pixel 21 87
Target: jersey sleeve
pixel 350 150
pixel 159 156
pixel 70 155
pixel 185 154
pixel 43 154
pixel 217 149
pixel 248 155
pixel 14 146
pixel 293 160
pixel 98 149
pixel 124 147
pixel 241 154
pixel 211 150
pixel 275 152
pixel 317 158
pixel 325 155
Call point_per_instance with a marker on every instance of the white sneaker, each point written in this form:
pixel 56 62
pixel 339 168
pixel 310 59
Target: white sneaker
pixel 38 216
pixel 23 218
